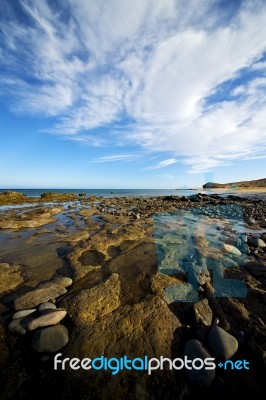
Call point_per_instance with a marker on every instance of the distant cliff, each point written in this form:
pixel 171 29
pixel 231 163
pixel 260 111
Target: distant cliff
pixel 242 184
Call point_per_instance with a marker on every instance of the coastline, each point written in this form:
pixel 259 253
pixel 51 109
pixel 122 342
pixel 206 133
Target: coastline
pixel 119 253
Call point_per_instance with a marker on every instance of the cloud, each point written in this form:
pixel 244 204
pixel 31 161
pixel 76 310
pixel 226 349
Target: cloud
pixel 186 78
pixel 116 157
pixel 163 164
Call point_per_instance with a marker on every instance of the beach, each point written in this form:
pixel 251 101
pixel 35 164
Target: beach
pixel 135 277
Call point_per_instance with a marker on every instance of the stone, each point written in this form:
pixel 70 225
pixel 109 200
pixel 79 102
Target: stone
pixel 228 248
pixel 63 281
pixel 23 313
pixel 203 276
pixel 221 344
pixel 202 333
pixel 46 306
pixel 40 295
pixel 50 318
pixel 201 377
pixel 256 242
pixel 50 340
pixel 203 312
pixel 19 326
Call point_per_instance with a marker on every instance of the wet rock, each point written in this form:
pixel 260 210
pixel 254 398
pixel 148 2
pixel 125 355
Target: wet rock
pixel 37 296
pixel 203 312
pixel 10 277
pixel 221 343
pixel 231 249
pixel 46 306
pixel 10 197
pixel 63 281
pixel 201 377
pixel 50 339
pixel 23 313
pixel 50 318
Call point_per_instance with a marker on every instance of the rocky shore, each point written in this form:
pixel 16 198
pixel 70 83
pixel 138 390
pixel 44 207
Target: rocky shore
pixel 107 293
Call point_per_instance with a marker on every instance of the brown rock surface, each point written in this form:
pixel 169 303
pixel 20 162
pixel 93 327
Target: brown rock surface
pixel 10 277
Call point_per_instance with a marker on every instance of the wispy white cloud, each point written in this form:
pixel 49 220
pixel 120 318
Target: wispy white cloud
pixel 149 66
pixel 163 164
pixel 117 157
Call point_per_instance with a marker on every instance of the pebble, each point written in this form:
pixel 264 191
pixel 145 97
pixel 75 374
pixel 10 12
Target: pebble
pixel 256 242
pixel 40 295
pixel 50 318
pixel 201 377
pixel 228 248
pixel 50 340
pixel 46 306
pixel 203 312
pixel 63 281
pixel 23 313
pixel 221 343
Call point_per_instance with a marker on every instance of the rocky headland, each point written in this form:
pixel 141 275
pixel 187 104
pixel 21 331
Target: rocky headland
pixel 100 286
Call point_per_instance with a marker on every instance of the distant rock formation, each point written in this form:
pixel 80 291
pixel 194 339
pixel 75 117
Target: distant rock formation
pixel 242 184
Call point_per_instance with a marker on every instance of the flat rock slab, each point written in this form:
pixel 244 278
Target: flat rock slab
pixel 38 296
pixel 50 318
pixel 50 340
pixel 221 343
pixel 23 313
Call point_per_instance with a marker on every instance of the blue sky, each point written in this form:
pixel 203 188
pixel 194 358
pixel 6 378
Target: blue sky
pixel 132 94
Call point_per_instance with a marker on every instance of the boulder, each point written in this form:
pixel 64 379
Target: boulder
pixel 221 344
pixel 200 377
pixel 50 339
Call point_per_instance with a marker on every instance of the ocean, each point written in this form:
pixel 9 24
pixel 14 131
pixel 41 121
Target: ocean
pixel 110 192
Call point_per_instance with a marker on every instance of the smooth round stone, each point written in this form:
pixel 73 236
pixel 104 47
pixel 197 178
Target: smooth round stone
pixel 23 313
pixel 46 306
pixel 50 318
pixel 228 248
pixel 63 281
pixel 256 242
pixel 50 340
pixel 201 377
pixel 221 343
